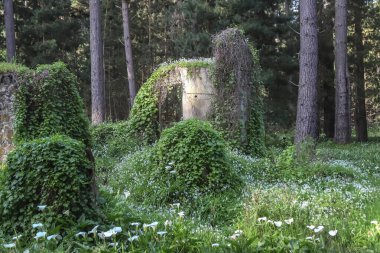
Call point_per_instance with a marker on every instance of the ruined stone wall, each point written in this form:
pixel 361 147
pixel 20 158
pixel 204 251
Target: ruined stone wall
pixel 7 99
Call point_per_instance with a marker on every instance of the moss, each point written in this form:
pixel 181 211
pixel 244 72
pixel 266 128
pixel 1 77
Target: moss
pixel 12 68
pixel 143 121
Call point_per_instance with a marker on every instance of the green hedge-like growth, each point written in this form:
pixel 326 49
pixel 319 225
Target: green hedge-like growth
pixel 48 103
pixel 52 171
pixel 193 160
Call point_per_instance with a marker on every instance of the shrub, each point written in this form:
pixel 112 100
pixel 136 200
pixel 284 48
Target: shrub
pixel 192 160
pixel 48 103
pixel 52 171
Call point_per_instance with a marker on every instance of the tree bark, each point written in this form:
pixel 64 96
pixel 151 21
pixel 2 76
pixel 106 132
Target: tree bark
pixel 360 108
pixel 10 30
pixel 342 89
pixel 128 54
pixel 307 105
pixel 97 68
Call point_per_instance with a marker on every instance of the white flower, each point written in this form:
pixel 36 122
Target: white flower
pixel 215 245
pixel 318 229
pixel 289 221
pixel 181 214
pixel 333 232
pixel 136 224
pixel 117 229
pixel 10 245
pixel 234 236
pixel 311 227
pixel 175 205
pixel 168 167
pixel 93 230
pixel 278 223
pixel 108 233
pixel 112 244
pixel 133 238
pixel 171 163
pixel 56 236
pixel 127 194
pixel 16 237
pixel 304 204
pixel 238 232
pixel 37 225
pixel 26 251
pixel 262 219
pixel 151 225
pixel 270 221
pixel 310 238
pixel 83 234
pixel 161 233
pixel 41 207
pixel 40 235
pixel 168 223
pixel 374 222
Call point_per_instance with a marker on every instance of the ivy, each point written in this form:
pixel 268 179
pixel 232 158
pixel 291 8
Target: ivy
pixel 48 103
pixel 52 171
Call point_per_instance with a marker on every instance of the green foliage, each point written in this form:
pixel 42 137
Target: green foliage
pixel 193 160
pixel 12 68
pixel 48 103
pixel 52 171
pixel 143 121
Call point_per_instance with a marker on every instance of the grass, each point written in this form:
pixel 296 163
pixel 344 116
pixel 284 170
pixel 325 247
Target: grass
pixel 339 190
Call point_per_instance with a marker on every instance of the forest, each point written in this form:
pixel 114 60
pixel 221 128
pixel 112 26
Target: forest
pixel 189 126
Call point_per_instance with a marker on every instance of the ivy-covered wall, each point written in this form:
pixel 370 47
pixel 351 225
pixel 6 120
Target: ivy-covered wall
pixel 9 74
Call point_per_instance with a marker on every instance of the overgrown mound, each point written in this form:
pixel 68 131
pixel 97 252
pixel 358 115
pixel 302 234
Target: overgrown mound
pixel 48 103
pixel 192 160
pixel 52 163
pixel 238 111
pixel 52 171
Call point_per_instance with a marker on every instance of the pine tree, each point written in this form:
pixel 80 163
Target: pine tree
pixel 10 30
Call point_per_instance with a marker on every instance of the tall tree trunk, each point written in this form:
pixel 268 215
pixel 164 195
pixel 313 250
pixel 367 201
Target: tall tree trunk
pixel 326 63
pixel 97 68
pixel 10 30
pixel 128 54
pixel 342 92
pixel 360 109
pixel 307 109
pixel 287 4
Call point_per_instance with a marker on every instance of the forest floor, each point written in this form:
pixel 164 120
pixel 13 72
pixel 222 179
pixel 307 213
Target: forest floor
pixel 329 205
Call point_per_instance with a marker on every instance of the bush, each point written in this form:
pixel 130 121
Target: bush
pixel 52 171
pixel 48 103
pixel 192 160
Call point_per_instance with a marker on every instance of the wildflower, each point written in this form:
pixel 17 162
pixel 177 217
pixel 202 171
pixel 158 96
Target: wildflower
pixel 311 227
pixel 112 244
pixel 133 238
pixel 83 234
pixel 175 205
pixel 310 238
pixel 168 223
pixel 238 232
pixel 171 163
pixel 56 236
pixel 333 232
pixel 151 225
pixel 168 167
pixel 16 237
pixel 172 171
pixel 117 229
pixel 270 221
pixel 37 225
pixel 127 194
pixel 289 221
pixel 278 223
pixel 234 236
pixel 304 204
pixel 161 233
pixel 41 207
pixel 262 219
pixel 215 245
pixel 40 235
pixel 181 214
pixel 136 224
pixel 374 222
pixel 26 251
pixel 318 229
pixel 10 245
pixel 93 230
